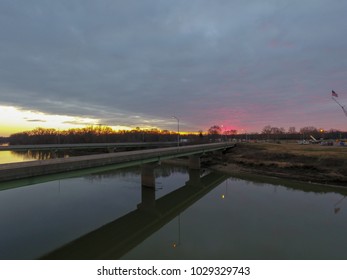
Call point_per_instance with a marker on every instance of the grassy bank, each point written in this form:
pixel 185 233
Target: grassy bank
pixel 310 163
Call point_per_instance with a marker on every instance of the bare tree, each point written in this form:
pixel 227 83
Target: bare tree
pixel 292 130
pixel 215 130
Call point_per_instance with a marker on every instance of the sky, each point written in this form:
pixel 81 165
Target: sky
pixel 238 64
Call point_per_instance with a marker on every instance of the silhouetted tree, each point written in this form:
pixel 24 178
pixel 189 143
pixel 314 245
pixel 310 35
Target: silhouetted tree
pixel 308 130
pixel 215 130
pixel 94 134
pixel 267 130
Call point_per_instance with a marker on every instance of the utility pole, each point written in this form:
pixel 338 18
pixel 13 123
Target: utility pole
pixel 178 130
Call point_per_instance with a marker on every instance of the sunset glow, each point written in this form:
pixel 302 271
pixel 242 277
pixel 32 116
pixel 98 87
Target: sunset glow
pixel 15 120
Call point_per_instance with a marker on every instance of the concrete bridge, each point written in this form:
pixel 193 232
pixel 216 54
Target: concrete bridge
pixel 116 238
pixel 148 159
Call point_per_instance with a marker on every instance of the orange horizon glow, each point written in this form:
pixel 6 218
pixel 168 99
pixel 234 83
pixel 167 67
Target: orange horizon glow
pixel 16 121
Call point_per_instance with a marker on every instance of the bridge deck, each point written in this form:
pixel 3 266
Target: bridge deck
pixel 13 171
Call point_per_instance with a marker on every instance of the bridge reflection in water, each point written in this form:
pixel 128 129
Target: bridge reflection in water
pixel 116 238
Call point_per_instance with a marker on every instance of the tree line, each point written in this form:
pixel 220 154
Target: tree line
pixel 93 134
pixel 277 133
pixel 105 134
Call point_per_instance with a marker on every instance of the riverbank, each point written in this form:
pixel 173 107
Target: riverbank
pixel 306 163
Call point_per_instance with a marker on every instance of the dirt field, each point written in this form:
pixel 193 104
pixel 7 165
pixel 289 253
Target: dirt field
pixel 310 163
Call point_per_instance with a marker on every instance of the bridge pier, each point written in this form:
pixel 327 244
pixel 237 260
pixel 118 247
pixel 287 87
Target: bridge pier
pixel 54 153
pixel 194 178
pixel 147 187
pixel 111 149
pixel 194 162
pixel 147 175
pixel 220 155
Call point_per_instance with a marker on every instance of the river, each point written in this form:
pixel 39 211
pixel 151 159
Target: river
pixel 9 156
pixel 189 215
pixel 20 156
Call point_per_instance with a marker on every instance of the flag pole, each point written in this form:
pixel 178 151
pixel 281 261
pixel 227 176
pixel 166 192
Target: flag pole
pixel 343 108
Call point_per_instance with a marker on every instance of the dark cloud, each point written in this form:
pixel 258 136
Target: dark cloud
pixel 35 120
pixel 241 63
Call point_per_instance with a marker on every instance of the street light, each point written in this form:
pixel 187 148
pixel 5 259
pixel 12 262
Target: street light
pixel 178 130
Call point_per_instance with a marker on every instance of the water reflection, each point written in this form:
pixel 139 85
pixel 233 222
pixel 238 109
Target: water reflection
pixel 9 156
pixel 37 217
pixel 118 237
pixel 188 215
pixel 28 155
pixel 247 220
pixel 178 243
pixel 337 206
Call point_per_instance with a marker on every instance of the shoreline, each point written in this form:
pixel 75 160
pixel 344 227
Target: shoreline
pixel 257 176
pixel 318 165
pixel 289 164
